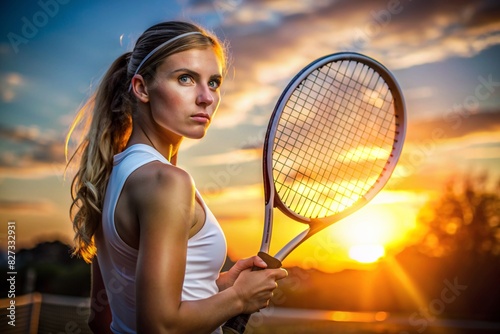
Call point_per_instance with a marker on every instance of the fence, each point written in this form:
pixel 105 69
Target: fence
pixel 45 314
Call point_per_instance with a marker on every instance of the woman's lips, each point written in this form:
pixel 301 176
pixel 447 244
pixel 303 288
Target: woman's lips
pixel 201 117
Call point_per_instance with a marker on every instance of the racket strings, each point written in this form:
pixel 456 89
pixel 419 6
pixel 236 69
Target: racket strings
pixel 337 125
pixel 350 101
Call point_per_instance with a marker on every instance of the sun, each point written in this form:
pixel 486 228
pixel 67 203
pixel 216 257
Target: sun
pixel 367 253
pixel 370 234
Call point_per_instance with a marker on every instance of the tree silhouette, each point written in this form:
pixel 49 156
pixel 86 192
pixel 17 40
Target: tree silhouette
pixel 464 220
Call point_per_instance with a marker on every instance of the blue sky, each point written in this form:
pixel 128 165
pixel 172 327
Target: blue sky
pixel 440 52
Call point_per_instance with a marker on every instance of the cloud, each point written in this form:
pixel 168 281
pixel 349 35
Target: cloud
pixel 236 193
pixel 10 85
pixel 480 144
pixel 26 207
pixel 418 93
pixel 232 157
pixel 427 165
pixel 271 41
pixel 369 25
pixel 454 124
pixel 482 153
pixel 435 149
pixel 31 154
pixel 21 133
pixel 30 170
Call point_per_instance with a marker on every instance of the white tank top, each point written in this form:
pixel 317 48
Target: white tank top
pixel 206 250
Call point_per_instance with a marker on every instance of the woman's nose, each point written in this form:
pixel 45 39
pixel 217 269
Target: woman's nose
pixel 205 96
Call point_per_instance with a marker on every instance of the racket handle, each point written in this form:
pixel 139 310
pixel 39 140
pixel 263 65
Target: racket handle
pixel 272 262
pixel 237 325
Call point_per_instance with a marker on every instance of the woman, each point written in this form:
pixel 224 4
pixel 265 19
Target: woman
pixel 155 247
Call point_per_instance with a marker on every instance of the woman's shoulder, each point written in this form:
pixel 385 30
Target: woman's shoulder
pixel 156 175
pixel 158 190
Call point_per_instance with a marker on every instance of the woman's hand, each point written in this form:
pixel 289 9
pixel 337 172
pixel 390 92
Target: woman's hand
pixel 255 288
pixel 227 278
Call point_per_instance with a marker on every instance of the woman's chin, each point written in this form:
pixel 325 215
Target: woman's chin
pixel 197 135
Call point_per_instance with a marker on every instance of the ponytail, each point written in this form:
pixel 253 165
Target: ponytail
pixel 108 114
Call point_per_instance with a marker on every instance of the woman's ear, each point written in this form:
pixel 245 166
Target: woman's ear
pixel 140 89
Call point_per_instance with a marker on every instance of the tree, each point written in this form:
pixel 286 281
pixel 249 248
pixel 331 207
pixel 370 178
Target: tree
pixel 465 219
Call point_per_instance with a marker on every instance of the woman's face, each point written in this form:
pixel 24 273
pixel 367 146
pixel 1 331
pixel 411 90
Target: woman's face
pixel 185 93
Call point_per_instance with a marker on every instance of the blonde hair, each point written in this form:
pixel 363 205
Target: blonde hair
pixel 108 114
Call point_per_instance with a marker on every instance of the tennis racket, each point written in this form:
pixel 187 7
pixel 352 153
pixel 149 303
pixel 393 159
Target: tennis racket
pixel 331 145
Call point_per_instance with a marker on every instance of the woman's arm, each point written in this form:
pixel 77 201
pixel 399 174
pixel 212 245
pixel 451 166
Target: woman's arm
pixel 165 199
pixel 100 314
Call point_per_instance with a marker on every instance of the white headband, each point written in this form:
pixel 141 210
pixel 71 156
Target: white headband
pixel 158 48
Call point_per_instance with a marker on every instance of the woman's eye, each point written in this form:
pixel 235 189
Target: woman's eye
pixel 214 84
pixel 185 79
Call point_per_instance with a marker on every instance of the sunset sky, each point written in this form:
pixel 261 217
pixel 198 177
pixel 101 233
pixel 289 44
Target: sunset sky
pixel 445 55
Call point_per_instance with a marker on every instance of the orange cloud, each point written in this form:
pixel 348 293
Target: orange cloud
pixel 36 154
pixel 270 42
pixel 16 207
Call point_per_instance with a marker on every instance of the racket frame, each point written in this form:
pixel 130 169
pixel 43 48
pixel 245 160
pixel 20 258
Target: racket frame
pixel 272 201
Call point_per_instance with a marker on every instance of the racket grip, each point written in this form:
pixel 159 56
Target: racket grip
pixel 272 262
pixel 237 325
